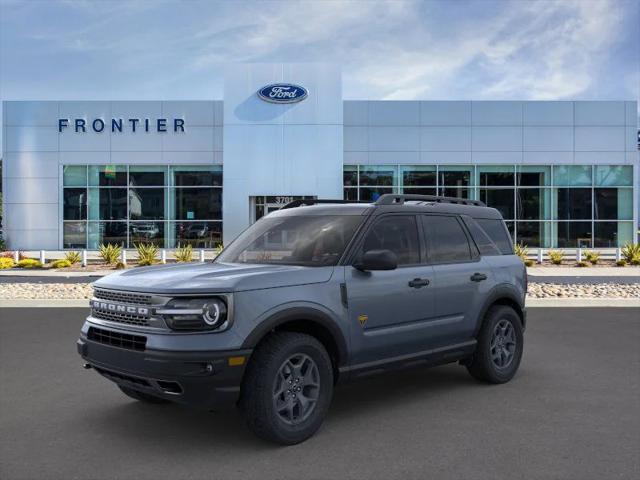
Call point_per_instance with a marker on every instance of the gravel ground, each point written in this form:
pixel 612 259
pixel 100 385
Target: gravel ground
pixel 43 291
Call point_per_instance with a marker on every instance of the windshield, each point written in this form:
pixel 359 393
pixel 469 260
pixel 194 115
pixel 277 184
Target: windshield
pixel 310 240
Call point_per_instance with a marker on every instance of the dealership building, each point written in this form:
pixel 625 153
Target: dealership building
pixel 80 173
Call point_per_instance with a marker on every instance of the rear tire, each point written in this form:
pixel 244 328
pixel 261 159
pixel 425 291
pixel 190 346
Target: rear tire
pixel 141 396
pixel 287 388
pixel 500 345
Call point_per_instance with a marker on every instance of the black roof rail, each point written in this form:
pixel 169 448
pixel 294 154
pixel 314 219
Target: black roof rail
pixel 399 199
pixel 314 201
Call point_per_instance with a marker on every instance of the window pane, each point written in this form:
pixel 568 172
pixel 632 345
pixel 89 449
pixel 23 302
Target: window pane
pixel 107 204
pixel 455 175
pixel 533 175
pixel 612 234
pixel 500 199
pixel 197 234
pixel 534 234
pixel 447 240
pixel 350 176
pixel 75 204
pixel 142 175
pixel 107 232
pixel 75 235
pixel 496 231
pixel 146 232
pixel 197 176
pixel 480 237
pixel 107 175
pixel 373 194
pixel 146 203
pixel 533 203
pixel 572 175
pixel 198 203
pixel 573 203
pixel 574 234
pixel 398 234
pixel 418 176
pixel 419 191
pixel 496 175
pixel 74 176
pixel 378 175
pixel 614 175
pixel 613 203
pixel 457 192
pixel 351 194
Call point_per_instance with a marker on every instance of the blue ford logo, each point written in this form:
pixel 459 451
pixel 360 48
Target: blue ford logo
pixel 283 93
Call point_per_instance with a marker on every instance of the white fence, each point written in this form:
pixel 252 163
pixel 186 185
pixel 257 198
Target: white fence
pixel 540 255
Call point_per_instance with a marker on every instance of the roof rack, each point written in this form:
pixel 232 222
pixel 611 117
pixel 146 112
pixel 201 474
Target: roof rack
pixel 399 199
pixel 314 201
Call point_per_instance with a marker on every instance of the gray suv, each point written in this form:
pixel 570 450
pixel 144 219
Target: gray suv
pixel 316 293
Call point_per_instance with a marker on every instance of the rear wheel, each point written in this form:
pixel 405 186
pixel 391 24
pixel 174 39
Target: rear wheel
pixel 141 396
pixel 500 345
pixel 287 389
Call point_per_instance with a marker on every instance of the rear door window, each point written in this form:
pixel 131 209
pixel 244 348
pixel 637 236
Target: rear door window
pixel 446 240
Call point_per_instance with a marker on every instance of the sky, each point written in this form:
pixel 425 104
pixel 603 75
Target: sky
pixel 404 50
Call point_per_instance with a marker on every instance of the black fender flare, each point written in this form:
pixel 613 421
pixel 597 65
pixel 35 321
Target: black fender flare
pixel 503 291
pixel 299 313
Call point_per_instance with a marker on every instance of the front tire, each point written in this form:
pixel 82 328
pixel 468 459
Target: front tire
pixel 500 345
pixel 141 396
pixel 287 388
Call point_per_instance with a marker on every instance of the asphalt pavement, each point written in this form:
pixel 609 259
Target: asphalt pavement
pixel 572 412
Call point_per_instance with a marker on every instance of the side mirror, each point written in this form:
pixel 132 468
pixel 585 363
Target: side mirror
pixel 377 260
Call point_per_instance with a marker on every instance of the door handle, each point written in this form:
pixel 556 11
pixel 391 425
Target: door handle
pixel 418 282
pixel 478 277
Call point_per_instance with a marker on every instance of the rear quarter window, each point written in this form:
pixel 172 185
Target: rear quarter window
pixel 498 233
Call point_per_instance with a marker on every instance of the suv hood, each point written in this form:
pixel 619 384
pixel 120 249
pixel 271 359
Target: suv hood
pixel 212 277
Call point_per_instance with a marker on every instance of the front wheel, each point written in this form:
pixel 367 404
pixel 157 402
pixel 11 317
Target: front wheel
pixel 500 345
pixel 287 389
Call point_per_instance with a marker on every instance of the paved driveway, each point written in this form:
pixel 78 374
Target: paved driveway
pixel 573 412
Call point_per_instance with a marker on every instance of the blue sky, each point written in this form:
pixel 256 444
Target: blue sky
pixel 549 50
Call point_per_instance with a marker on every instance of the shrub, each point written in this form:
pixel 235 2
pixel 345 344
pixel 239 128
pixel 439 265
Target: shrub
pixel 631 253
pixel 521 251
pixel 621 263
pixel 529 263
pixel 120 266
pixel 6 263
pixel 184 254
pixel 217 250
pixel 73 257
pixel 556 256
pixel 10 254
pixel 29 263
pixel 147 254
pixel 62 263
pixel 582 263
pixel 110 253
pixel 592 257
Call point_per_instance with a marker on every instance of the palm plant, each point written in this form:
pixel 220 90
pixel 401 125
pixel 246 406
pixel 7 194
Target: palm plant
pixel 110 252
pixel 147 254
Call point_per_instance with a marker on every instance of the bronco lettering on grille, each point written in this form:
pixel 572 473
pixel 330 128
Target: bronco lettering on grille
pixel 118 308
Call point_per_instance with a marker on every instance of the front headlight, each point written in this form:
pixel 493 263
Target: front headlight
pixel 195 314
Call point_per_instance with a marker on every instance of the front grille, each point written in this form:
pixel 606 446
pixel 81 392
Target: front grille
pixel 122 297
pixel 128 318
pixel 115 376
pixel 117 339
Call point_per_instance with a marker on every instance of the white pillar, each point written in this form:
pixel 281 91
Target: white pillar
pixel 201 256
pixel 84 258
pixel 163 256
pixel 540 255
pixel 618 254
pixel 123 256
pixel 42 257
pixel 578 255
pixel 16 256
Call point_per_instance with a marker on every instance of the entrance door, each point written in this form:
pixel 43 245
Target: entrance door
pixel 265 204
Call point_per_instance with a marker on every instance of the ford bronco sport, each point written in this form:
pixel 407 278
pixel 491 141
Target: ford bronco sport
pixel 315 293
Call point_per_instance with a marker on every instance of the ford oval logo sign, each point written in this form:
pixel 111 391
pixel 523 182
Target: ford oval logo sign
pixel 283 93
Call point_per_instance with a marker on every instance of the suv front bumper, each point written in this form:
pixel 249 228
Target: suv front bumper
pixel 201 379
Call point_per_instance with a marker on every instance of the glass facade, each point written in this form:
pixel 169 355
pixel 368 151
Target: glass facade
pixel 132 204
pixel 550 206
